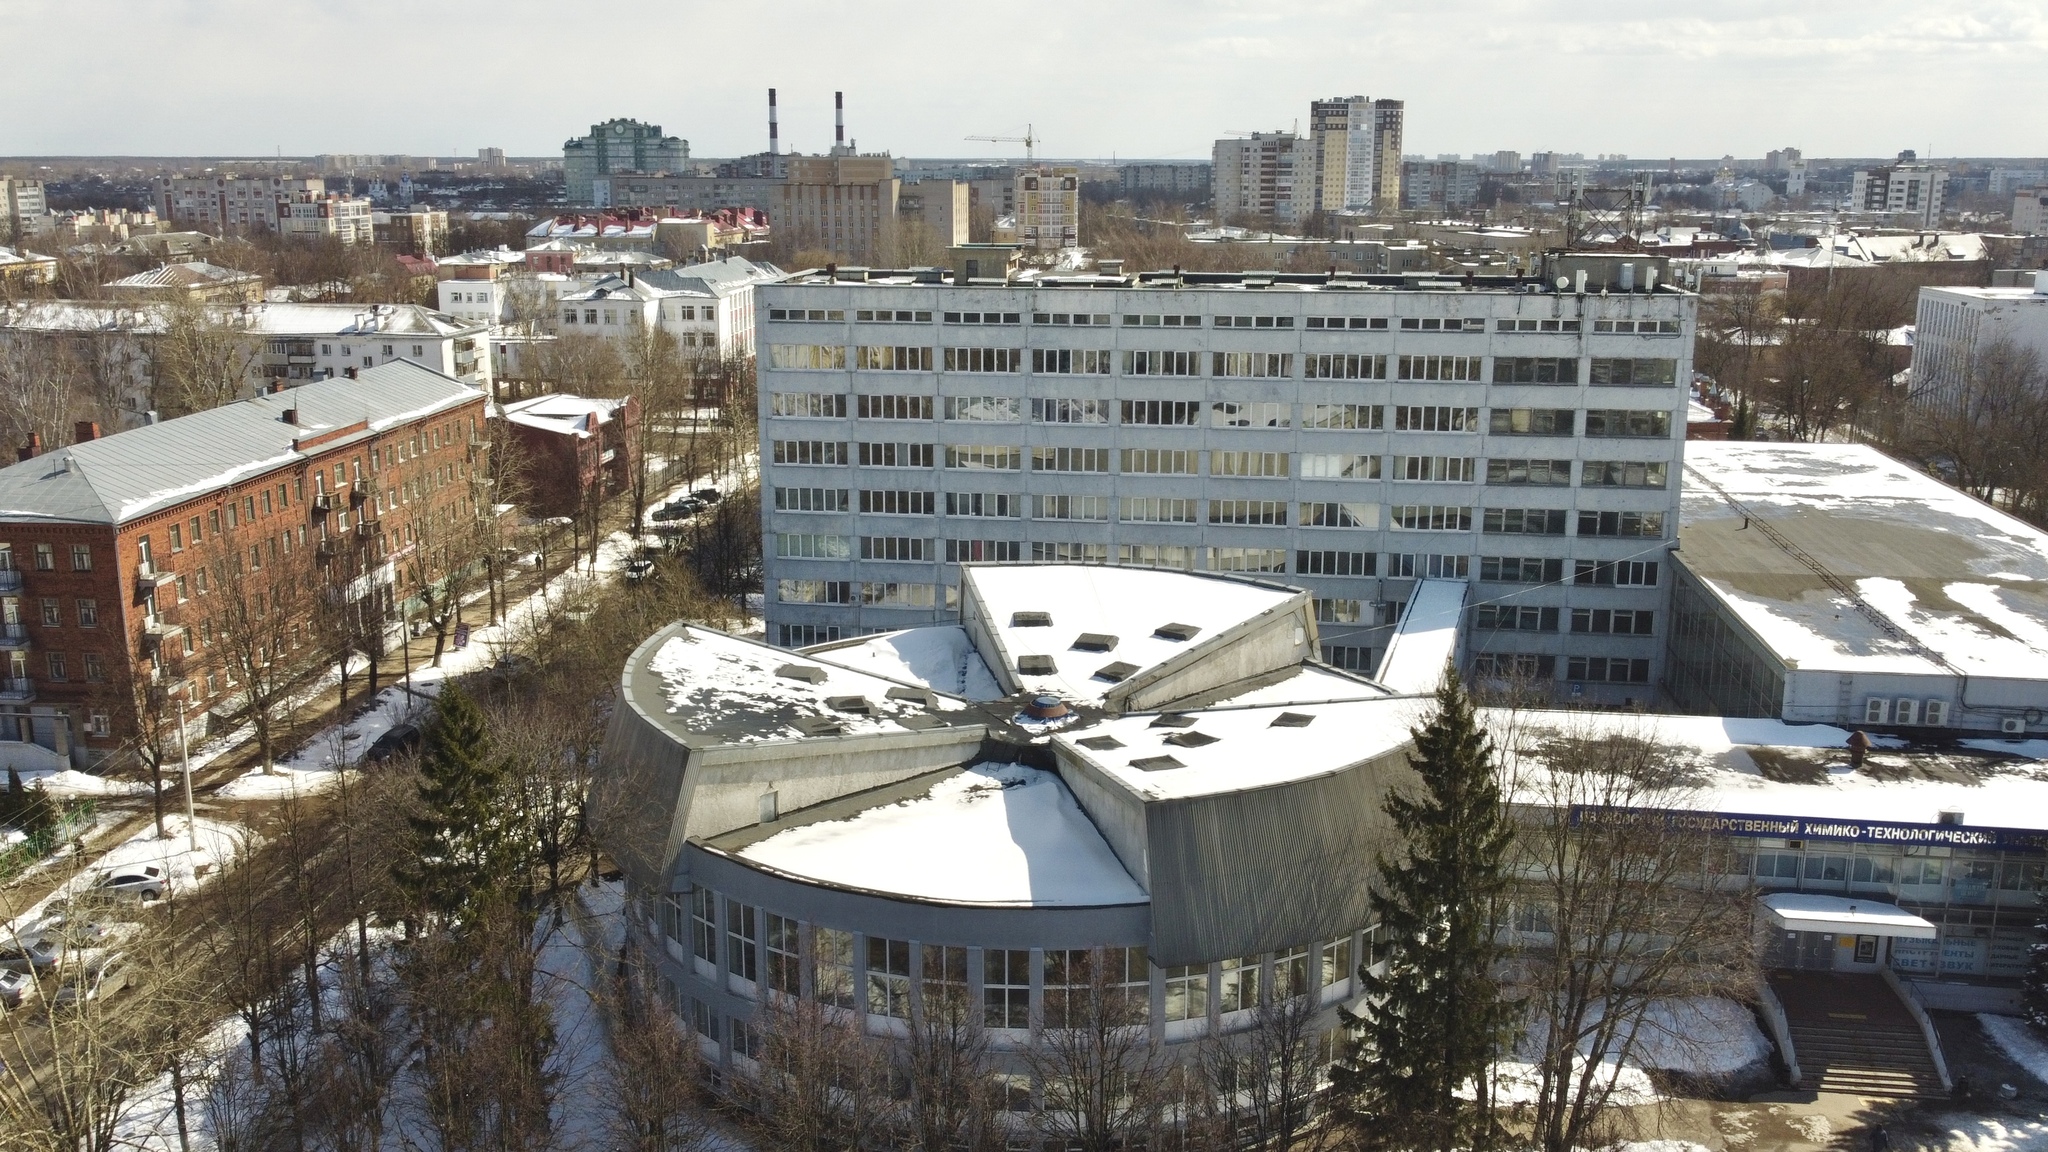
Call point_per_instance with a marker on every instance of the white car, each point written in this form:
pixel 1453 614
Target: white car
pixel 103 976
pixel 12 986
pixel 147 881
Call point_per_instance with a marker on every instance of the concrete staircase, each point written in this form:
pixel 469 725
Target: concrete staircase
pixel 1851 1034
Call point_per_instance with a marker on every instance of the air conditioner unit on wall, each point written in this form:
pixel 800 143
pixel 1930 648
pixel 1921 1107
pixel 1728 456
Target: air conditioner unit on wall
pixel 2012 726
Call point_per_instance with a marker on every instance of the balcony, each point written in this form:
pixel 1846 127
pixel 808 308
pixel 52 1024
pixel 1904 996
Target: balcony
pixel 13 691
pixel 323 502
pixel 13 636
pixel 158 631
pixel 358 492
pixel 149 577
pixel 10 579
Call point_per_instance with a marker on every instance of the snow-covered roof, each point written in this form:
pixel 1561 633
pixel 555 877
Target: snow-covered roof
pixel 940 657
pixel 190 274
pixel 560 412
pixel 1050 612
pixel 730 690
pixel 1942 583
pixel 1426 640
pixel 1814 912
pixel 129 474
pixel 992 834
pixel 264 319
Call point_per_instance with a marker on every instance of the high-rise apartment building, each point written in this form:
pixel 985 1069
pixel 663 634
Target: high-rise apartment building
pixel 1355 147
pixel 1350 435
pixel 1255 176
pixel 618 146
pixel 1049 208
pixel 1439 185
pixel 22 204
pixel 294 205
pixel 1387 119
pixel 1907 188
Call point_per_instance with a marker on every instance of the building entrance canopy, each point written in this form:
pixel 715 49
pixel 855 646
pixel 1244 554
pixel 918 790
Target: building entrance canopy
pixel 1808 912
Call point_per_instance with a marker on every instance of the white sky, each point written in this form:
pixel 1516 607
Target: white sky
pixel 1096 77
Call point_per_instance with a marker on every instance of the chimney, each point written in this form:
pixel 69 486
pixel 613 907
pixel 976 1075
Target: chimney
pixel 839 120
pixel 291 416
pixel 774 132
pixel 33 448
pixel 349 372
pixel 85 430
pixel 274 387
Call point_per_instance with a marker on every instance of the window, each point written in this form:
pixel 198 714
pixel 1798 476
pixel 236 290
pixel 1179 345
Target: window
pixel 1428 565
pixel 1532 421
pixel 1610 670
pixel 1641 423
pixel 1536 326
pixel 1177 556
pixel 1162 363
pixel 1062 411
pixel 1250 414
pixel 1071 507
pixel 834 956
pixel 1157 510
pixel 996 457
pixel 1307 563
pixel 808 546
pixel 1548 473
pixel 56 662
pixel 1622 622
pixel 984 504
pixel 1159 461
pixel 177 532
pixel 1161 412
pixel 1187 992
pixel 1344 367
pixel 52 616
pixel 1520 570
pixel 897 502
pixel 1528 521
pixel 1247 512
pixel 1339 612
pixel 805 635
pixel 741 959
pixel 1363 417
pixel 1635 373
pixel 96 665
pixel 884 316
pixel 810 499
pixel 983 359
pixel 898 455
pixel 1434 468
pixel 46 558
pixel 1247 463
pixel 998 409
pixel 813 404
pixel 1536 369
pixel 1443 324
pixel 890 594
pixel 1070 459
pixel 1291 973
pixel 1334 959
pixel 1079 319
pixel 1639 327
pixel 889 978
pixel 1514 666
pixel 97 722
pixel 81 557
pixel 1257 365
pixel 975 317
pixel 809 452
pixel 801 314
pixel 1432 518
pixel 1070 361
pixel 1510 618
pixel 1238 990
pixel 1252 321
pixel 1373 323
pixel 1334 514
pixel 1350 657
pixel 813 592
pixel 1163 321
pixel 1247 560
pixel 1006 988
pixel 1331 466
pixel 1616 573
pixel 799 356
pixel 1450 368
pixel 1422 418
pixel 1623 474
pixel 979 551
pixel 893 358
pixel 1649 525
pixel 943 980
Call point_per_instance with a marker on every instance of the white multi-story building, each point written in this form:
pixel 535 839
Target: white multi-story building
pixel 287 204
pixel 1914 191
pixel 1355 434
pixel 707 306
pixel 1049 208
pixel 313 216
pixel 1955 327
pixel 2030 211
pixel 1255 176
pixel 22 206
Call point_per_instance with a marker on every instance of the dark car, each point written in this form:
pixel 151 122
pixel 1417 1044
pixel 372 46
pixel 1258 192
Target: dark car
pixel 708 495
pixel 679 508
pixel 402 739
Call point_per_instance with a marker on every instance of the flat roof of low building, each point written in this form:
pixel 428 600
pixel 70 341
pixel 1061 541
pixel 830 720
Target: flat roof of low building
pixel 1839 558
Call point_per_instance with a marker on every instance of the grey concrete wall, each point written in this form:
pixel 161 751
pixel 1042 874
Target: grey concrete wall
pixel 727 782
pixel 1116 812
pixel 1277 638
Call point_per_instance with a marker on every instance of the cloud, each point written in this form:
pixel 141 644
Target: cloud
pixel 1095 79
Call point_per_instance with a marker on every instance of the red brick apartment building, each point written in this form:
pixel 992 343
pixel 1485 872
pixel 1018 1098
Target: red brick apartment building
pixel 574 451
pixel 104 543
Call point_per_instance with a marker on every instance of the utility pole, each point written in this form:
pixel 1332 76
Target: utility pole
pixel 191 815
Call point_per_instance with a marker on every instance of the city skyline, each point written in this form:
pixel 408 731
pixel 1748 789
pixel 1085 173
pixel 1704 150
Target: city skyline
pixel 1150 81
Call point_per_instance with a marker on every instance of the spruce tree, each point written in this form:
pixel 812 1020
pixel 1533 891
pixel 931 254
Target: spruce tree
pixel 460 848
pixel 1436 1020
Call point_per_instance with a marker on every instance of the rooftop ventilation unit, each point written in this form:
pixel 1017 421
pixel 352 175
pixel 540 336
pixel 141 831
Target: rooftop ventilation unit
pixel 1046 708
pixel 1030 619
pixel 1116 673
pixel 1156 763
pixel 820 726
pixel 1173 720
pixel 921 696
pixel 854 704
pixel 1190 739
pixel 1291 720
pixel 1094 642
pixel 1176 631
pixel 808 673
pixel 1949 816
pixel 1035 666
pixel 1100 743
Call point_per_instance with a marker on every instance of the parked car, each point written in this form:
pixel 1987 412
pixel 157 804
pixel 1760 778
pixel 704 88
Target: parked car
pixel 708 495
pixel 402 739
pixel 102 976
pixel 147 881
pixel 681 508
pixel 12 987
pixel 638 570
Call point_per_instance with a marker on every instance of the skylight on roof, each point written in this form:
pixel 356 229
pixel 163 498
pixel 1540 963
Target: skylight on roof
pixel 1291 720
pixel 1156 763
pixel 922 696
pixel 1117 672
pixel 1036 666
pixel 1176 631
pixel 1190 739
pixel 1094 642
pixel 808 673
pixel 1173 720
pixel 820 726
pixel 1100 743
pixel 1030 619
pixel 854 704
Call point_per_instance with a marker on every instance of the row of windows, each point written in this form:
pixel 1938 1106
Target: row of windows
pixel 1187 462
pixel 1582 669
pixel 1185 510
pixel 1314 323
pixel 1605 371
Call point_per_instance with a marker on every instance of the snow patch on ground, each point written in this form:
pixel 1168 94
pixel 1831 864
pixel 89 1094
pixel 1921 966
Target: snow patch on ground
pixel 219 844
pixel 2019 1042
pixel 72 784
pixel 1695 1035
pixel 1993 1134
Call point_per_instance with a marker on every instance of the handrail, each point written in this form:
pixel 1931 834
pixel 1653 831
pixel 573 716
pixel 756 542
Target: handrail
pixel 1914 1008
pixel 1781 1029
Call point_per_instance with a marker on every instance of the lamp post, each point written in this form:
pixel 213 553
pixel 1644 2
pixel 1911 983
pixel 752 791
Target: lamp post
pixel 185 761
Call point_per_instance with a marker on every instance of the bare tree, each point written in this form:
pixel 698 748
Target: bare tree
pixel 1260 1083
pixel 655 1070
pixel 255 624
pixel 204 357
pixel 822 1083
pixel 1101 1080
pixel 952 1100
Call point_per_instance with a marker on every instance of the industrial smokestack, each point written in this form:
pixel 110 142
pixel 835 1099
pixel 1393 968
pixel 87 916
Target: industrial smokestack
pixel 774 132
pixel 839 119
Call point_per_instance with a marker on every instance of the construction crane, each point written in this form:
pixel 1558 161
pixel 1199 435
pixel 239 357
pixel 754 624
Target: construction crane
pixel 1029 140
